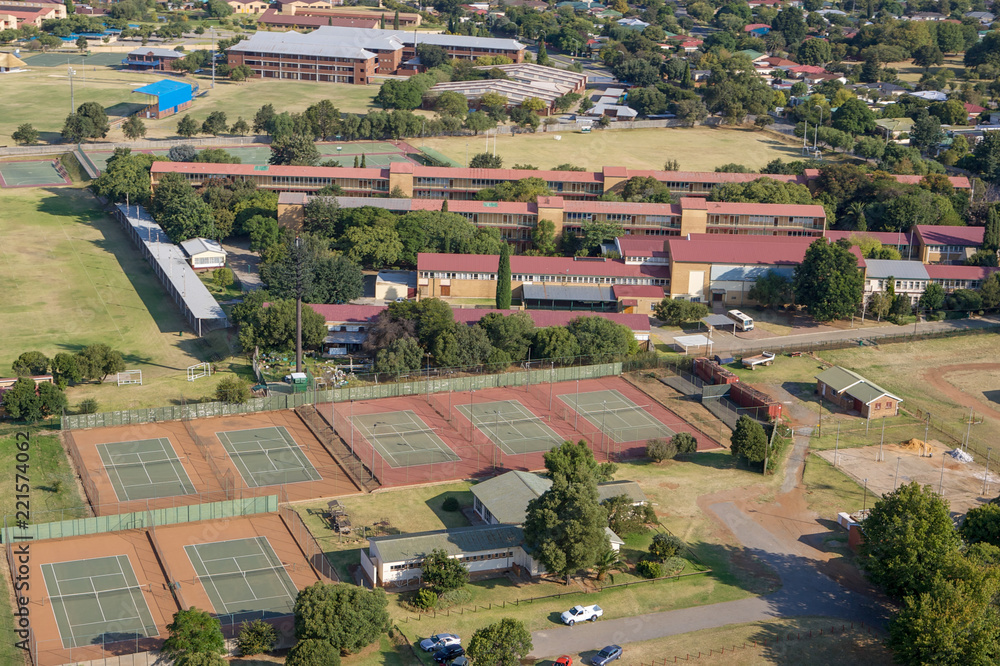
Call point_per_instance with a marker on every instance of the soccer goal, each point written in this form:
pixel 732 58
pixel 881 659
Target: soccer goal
pixel 130 377
pixel 199 370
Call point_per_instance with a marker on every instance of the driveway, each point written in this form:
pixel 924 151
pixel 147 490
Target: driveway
pixel 243 263
pixel 804 590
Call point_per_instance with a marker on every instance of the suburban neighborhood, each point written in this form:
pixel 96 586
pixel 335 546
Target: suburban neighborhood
pixel 528 332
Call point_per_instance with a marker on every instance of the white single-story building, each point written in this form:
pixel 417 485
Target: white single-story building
pixel 204 254
pixel 390 285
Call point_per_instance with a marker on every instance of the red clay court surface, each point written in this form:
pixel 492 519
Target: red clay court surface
pixel 83 447
pixel 478 455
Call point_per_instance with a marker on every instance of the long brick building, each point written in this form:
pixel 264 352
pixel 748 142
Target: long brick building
pixel 353 55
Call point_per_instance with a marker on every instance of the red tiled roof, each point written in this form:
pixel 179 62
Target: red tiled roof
pixel 473 206
pixel 775 61
pixel 940 235
pixel 347 312
pixel 621 207
pixel 791 210
pixel 507 174
pixel 642 246
pixel 637 291
pixel 742 250
pixel 958 182
pixel 754 26
pixel 946 272
pixel 808 69
pixel 272 17
pixel 27 15
pixel 252 170
pixel 972 108
pixel 520 264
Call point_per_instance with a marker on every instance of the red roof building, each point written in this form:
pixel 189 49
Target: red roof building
pixel 958 277
pixel 947 245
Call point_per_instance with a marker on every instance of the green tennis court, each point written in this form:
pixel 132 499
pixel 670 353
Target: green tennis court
pixel 511 426
pixel 356 148
pixel 144 469
pixel 268 456
pixel 243 578
pixel 96 600
pixel 30 174
pixel 618 417
pixel 403 439
pixel 56 59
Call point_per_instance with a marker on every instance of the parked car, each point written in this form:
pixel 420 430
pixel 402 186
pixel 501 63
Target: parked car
pixel 438 641
pixel 581 613
pixel 460 661
pixel 564 660
pixel 448 653
pixel 607 655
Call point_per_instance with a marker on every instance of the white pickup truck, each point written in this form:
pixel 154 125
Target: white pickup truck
pixel 581 613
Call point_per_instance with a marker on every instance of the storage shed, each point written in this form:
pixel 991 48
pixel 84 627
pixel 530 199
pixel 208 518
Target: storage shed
pixel 851 391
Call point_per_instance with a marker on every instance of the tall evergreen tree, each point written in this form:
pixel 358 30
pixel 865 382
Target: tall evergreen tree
pixel 503 279
pixel 686 79
pixel 395 21
pixel 543 55
pixel 991 235
pixel 381 22
pixel 444 206
pixel 362 160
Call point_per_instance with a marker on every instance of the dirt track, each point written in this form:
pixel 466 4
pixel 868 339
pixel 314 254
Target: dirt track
pixel 937 378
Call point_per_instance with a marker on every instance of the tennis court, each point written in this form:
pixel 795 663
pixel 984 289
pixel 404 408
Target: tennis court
pixel 267 456
pixel 618 417
pixel 30 174
pixel 243 577
pixel 57 59
pixel 403 439
pixel 97 600
pixel 144 469
pixel 511 426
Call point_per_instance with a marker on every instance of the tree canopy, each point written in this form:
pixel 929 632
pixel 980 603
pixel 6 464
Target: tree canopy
pixel 345 616
pixel 828 281
pixel 502 643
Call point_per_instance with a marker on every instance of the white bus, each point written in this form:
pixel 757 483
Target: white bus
pixel 743 322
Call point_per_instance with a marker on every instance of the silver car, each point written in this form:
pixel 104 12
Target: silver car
pixel 438 641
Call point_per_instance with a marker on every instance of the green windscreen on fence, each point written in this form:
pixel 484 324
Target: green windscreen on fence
pixel 710 391
pixel 277 401
pixel 139 519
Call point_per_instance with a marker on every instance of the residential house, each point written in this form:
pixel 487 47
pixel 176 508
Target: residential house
pixel 853 392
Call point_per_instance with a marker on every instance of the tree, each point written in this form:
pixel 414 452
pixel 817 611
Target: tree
pixel 502 643
pixel 982 525
pixel 66 369
pixel 21 401
pixel 25 134
pixel 444 573
pixel 98 360
pixel 676 311
pixel 479 121
pixel 659 450
pixel 601 339
pixel 324 119
pixel 451 103
pixel 543 55
pixel 909 536
pixel 182 153
pixel 180 211
pixel 336 280
pixel 233 390
pixel 485 161
pixel 828 281
pixel 772 289
pixel 188 127
pixel 192 632
pixel 273 327
pixel 927 56
pixel 256 637
pixel 239 74
pixel 991 234
pixel 125 176
pixel 665 546
pixel 543 237
pixel 222 277
pixel 263 119
pixel 346 616
pixel 556 344
pixel 926 132
pixel 503 293
pixel 511 333
pixel 933 297
pixel 608 561
pixel 431 55
pixel 134 128
pixel 748 441
pixel 534 104
pixel 853 116
pixel 373 246
pixel 294 150
pixel 31 363
pixel 399 356
pixel 313 652
pixel 685 442
pixel 215 124
pixel 240 127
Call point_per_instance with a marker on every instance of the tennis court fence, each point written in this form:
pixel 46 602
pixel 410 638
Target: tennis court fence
pixel 310 547
pixel 384 386
pixel 225 477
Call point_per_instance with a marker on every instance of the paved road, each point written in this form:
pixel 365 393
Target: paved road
pixel 804 591
pixel 727 342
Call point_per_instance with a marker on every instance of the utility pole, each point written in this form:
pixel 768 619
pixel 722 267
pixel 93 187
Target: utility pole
pixel 213 55
pixel 298 304
pixel 72 104
pixel 986 474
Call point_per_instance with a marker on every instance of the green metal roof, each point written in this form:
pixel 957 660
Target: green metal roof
pixel 457 541
pixel 507 496
pixel 842 380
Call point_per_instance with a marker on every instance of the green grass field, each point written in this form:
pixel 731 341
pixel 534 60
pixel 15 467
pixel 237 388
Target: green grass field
pixel 696 148
pixel 73 278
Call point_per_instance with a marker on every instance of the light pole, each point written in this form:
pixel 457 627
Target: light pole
pixel 864 502
pixel 986 475
pixel 816 132
pixel 895 479
pixel 72 104
pixel 298 304
pixel 213 55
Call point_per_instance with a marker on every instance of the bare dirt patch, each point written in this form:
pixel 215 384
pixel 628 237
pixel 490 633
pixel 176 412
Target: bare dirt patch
pixel 968 384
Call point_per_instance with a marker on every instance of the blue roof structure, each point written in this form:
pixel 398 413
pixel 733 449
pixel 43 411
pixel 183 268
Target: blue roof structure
pixel 168 93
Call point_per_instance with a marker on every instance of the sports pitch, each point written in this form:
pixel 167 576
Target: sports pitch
pixel 144 469
pixel 243 578
pixel 97 600
pixel 267 456
pixel 30 174
pixel 614 414
pixel 511 426
pixel 403 439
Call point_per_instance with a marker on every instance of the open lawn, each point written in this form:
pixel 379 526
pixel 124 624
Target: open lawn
pixel 788 642
pixel 73 279
pixel 696 148
pixel 42 97
pixel 911 73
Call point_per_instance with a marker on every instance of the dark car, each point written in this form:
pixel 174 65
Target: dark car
pixel 452 651
pixel 607 655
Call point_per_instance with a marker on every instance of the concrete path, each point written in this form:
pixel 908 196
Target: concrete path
pixel 804 591
pixel 243 263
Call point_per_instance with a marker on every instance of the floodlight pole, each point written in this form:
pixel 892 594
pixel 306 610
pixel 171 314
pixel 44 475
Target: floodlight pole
pixel 986 475
pixel 816 131
pixel 864 502
pixel 213 55
pixel 298 304
pixel 895 479
pixel 72 104
pixel 576 407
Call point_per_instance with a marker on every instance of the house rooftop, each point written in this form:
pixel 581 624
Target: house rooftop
pixel 942 235
pixel 843 380
pixel 455 541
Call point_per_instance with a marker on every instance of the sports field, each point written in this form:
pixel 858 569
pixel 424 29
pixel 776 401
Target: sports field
pixel 74 279
pixel 696 148
pixel 30 173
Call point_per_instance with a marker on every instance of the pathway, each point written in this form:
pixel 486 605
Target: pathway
pixel 804 591
pixel 243 263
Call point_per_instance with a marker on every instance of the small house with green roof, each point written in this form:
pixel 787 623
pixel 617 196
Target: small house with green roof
pixel 851 391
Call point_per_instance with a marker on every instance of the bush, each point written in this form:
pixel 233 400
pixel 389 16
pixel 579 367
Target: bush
pixel 425 599
pixel 450 504
pixel 88 406
pixel 659 450
pixel 313 652
pixel 256 637
pixel 684 442
pixel 665 546
pixel 233 390
pixel 649 569
pixel 454 598
pixel 673 565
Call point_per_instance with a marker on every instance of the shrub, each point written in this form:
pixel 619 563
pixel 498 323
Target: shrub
pixel 313 652
pixel 454 598
pixel 649 569
pixel 233 390
pixel 684 442
pixel 256 637
pixel 659 450
pixel 88 406
pixel 450 504
pixel 425 599
pixel 673 565
pixel 665 546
